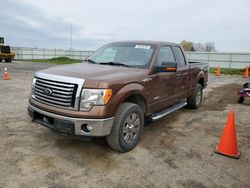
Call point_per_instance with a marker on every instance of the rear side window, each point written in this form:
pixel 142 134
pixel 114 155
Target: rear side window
pixel 179 56
pixel 165 56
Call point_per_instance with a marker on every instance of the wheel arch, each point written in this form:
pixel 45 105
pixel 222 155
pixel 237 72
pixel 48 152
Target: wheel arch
pixel 201 82
pixel 134 93
pixel 201 79
pixel 136 99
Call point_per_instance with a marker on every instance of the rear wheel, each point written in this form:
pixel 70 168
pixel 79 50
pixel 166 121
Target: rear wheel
pixel 8 60
pixel 194 101
pixel 127 127
pixel 241 100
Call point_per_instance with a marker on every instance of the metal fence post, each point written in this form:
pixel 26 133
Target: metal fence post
pixel 32 54
pixel 230 60
pixel 22 54
pixel 208 59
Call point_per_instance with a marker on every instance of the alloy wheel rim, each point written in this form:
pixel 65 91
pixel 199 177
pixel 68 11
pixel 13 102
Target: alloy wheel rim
pixel 198 97
pixel 131 128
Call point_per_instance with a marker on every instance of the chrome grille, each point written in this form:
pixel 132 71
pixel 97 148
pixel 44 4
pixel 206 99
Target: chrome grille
pixel 60 94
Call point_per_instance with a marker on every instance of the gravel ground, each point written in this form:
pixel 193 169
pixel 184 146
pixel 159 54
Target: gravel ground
pixel 176 151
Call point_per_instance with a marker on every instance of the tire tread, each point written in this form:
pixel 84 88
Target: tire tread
pixel 113 137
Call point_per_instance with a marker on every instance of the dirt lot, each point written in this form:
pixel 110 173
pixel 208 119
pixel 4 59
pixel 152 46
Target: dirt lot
pixel 176 151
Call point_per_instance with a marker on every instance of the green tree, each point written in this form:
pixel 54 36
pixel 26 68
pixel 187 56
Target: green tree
pixel 187 46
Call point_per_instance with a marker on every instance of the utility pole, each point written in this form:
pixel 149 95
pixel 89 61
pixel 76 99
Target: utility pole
pixel 70 41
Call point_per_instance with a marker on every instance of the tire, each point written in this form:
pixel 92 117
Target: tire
pixel 8 60
pixel 127 128
pixel 241 100
pixel 194 101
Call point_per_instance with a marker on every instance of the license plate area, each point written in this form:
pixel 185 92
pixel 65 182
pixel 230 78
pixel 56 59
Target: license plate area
pixel 61 126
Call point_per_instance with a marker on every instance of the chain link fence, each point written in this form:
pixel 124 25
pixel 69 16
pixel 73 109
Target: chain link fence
pixel 227 60
pixel 43 53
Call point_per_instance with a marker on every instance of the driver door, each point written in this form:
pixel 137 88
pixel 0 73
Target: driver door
pixel 164 83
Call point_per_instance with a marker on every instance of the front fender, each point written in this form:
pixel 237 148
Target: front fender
pixel 126 91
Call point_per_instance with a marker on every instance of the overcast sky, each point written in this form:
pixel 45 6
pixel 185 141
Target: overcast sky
pixel 46 23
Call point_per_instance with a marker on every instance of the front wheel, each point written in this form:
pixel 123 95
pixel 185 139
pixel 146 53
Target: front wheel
pixel 194 101
pixel 127 127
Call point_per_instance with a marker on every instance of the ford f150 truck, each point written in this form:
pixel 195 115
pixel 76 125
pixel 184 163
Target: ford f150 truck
pixel 115 89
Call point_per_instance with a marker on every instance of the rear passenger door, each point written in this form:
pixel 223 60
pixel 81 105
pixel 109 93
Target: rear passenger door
pixel 182 73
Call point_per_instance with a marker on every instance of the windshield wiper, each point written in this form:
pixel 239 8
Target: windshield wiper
pixel 114 63
pixel 91 61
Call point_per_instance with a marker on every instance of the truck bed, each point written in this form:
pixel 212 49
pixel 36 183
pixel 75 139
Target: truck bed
pixel 202 65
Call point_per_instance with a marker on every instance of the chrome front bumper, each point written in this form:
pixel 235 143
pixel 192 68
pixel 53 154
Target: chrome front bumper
pixel 69 125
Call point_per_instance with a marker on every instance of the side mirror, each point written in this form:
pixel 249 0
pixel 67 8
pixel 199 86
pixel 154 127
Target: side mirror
pixel 167 67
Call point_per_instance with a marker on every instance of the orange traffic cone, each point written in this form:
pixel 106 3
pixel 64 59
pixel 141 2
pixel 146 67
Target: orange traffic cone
pixel 218 70
pixel 246 73
pixel 6 75
pixel 228 143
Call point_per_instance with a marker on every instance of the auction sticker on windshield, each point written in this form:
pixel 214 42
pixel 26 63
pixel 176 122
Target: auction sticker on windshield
pixel 142 46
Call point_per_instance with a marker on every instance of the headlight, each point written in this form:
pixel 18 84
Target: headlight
pixel 91 97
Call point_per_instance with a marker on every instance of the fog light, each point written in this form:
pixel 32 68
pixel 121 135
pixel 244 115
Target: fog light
pixel 86 128
pixel 90 128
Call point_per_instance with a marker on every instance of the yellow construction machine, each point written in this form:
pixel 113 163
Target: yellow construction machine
pixel 5 52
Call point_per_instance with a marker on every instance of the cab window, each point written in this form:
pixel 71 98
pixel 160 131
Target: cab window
pixel 165 56
pixel 179 56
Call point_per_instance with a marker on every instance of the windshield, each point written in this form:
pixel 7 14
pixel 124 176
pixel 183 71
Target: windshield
pixel 127 54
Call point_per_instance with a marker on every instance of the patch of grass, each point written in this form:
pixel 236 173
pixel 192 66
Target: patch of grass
pixel 58 60
pixel 227 71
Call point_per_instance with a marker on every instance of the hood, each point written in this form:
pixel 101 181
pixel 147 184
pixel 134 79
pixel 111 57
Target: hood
pixel 93 72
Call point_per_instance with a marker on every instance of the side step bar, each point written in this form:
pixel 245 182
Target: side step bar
pixel 167 111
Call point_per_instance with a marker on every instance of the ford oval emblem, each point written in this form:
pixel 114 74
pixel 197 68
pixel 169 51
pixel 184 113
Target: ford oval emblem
pixel 47 91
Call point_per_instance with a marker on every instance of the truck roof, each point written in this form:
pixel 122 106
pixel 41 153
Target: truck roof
pixel 146 42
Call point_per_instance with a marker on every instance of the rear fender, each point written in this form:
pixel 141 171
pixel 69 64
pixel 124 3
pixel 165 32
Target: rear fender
pixel 200 76
pixel 195 81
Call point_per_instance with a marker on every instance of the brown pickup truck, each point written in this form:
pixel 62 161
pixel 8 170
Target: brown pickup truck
pixel 115 89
